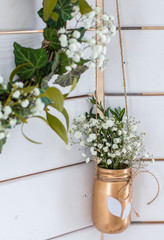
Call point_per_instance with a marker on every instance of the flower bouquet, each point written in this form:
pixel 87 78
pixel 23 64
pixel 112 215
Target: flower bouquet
pixel 112 140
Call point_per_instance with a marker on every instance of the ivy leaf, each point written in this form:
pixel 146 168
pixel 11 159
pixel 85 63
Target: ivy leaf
pixel 67 79
pixel 57 126
pixel 54 16
pixel 64 61
pixel 55 64
pixel 50 35
pixel 72 88
pixel 49 6
pixel 16 70
pixel 82 30
pixel 63 9
pixel 84 7
pixel 36 59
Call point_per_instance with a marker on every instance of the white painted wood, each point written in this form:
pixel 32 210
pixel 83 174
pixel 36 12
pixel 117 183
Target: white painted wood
pixel 135 232
pixel 149 111
pixel 137 13
pixel 20 15
pixel 21 157
pixel 52 204
pixel 47 205
pixel 143 56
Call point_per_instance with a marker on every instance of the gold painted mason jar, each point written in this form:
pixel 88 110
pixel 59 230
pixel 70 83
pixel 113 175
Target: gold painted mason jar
pixel 111 209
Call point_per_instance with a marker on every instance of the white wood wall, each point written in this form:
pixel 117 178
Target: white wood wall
pixel 55 202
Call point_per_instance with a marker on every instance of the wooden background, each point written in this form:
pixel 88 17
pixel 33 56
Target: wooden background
pixel 52 198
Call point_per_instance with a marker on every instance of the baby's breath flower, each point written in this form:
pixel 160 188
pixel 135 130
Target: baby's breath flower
pixel 109 161
pixel 16 94
pixel 78 134
pixel 25 103
pixel 2 135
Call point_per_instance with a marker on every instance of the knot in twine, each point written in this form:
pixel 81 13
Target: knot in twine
pixel 128 183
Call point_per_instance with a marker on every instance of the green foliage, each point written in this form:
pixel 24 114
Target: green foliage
pixel 57 126
pixel 35 68
pixel 118 113
pixel 64 61
pixel 54 67
pixel 16 70
pixel 51 36
pixel 55 97
pixel 49 6
pixel 64 9
pixel 84 7
pixel 67 79
pixel 2 142
pixel 36 59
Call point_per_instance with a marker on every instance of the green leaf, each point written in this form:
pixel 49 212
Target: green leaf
pixel 67 79
pixel 16 70
pixel 56 97
pixel 36 59
pixel 72 88
pixel 54 16
pixel 57 126
pixel 28 89
pixel 50 35
pixel 49 6
pixel 65 114
pixel 82 30
pixel 84 7
pixel 64 61
pixel 2 142
pixel 45 80
pixel 63 9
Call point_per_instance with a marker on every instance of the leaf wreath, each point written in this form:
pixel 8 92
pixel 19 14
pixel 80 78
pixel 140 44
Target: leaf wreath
pixel 23 97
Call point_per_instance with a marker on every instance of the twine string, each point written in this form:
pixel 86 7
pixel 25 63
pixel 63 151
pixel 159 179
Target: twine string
pixel 128 183
pixel 122 58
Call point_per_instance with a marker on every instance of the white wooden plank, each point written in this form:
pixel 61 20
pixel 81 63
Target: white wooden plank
pixel 48 205
pixel 149 111
pixel 138 13
pixel 20 15
pixel 21 157
pixel 135 231
pixel 143 56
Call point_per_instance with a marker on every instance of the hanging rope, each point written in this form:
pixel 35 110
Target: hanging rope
pixel 122 58
pixel 123 74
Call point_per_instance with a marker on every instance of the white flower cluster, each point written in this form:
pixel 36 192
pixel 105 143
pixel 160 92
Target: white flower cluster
pixel 113 142
pixel 8 118
pixel 74 43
